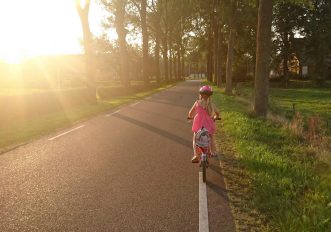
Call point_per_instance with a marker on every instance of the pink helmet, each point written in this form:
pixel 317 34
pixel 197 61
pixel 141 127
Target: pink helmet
pixel 206 90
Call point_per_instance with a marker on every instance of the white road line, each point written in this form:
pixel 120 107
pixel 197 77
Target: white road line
pixel 134 104
pixel 107 115
pixel 66 132
pixel 203 209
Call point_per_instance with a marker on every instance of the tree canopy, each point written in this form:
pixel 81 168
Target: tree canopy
pixel 219 38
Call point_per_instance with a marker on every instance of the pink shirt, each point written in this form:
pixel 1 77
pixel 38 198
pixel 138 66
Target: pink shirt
pixel 202 119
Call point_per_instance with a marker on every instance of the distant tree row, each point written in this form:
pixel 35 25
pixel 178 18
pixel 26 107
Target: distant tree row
pixel 227 39
pixel 163 26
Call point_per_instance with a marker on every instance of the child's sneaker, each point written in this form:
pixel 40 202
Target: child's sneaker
pixel 195 159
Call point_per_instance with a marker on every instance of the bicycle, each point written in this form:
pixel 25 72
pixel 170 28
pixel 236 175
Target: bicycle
pixel 204 154
pixel 202 149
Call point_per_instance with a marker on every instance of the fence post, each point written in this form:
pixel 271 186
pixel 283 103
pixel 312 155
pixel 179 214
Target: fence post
pixel 293 108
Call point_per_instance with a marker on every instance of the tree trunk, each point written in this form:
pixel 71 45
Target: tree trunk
pixel 210 52
pixel 179 51
pixel 229 60
pixel 179 68
pixel 170 62
pixel 183 65
pixel 157 59
pixel 263 49
pixel 121 32
pixel 219 60
pixel 145 41
pixel 175 66
pixel 165 60
pixel 166 42
pixel 216 23
pixel 216 35
pixel 286 48
pixel 88 47
pixel 183 71
pixel 158 36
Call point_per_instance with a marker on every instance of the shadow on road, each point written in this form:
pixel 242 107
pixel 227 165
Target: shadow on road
pixel 184 121
pixel 156 130
pixel 215 168
pixel 155 100
pixel 216 187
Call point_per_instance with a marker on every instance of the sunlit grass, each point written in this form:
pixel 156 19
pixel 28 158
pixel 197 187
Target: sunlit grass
pixel 285 102
pixel 307 101
pixel 19 132
pixel 287 183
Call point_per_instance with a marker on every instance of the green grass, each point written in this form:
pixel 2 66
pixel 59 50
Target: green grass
pixel 19 132
pixel 307 101
pixel 287 183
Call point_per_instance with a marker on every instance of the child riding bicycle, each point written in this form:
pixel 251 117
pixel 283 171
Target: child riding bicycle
pixel 204 114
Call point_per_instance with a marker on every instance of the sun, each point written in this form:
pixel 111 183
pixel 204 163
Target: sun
pixel 40 27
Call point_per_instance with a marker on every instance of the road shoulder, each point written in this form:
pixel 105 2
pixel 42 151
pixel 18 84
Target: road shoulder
pixel 238 186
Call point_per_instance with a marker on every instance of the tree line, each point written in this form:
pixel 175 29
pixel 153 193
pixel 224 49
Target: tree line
pixel 223 38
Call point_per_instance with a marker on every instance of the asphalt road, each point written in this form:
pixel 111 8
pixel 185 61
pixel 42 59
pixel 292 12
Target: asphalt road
pixel 128 170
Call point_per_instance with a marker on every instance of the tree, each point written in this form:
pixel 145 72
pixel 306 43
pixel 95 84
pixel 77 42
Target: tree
pixel 318 34
pixel 217 41
pixel 122 32
pixel 155 24
pixel 209 17
pixel 245 41
pixel 180 24
pixel 263 49
pixel 164 39
pixel 229 60
pixel 145 40
pixel 118 19
pixel 289 20
pixel 141 6
pixel 219 55
pixel 83 12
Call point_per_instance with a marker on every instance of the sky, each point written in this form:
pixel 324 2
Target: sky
pixel 42 27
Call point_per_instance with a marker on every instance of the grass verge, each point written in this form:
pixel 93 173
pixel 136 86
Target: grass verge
pixel 285 102
pixel 16 133
pixel 285 180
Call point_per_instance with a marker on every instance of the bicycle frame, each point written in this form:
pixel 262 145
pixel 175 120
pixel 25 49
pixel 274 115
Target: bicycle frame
pixel 203 157
pixel 203 153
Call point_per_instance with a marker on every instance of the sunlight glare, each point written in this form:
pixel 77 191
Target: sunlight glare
pixel 13 58
pixel 82 3
pixel 40 27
